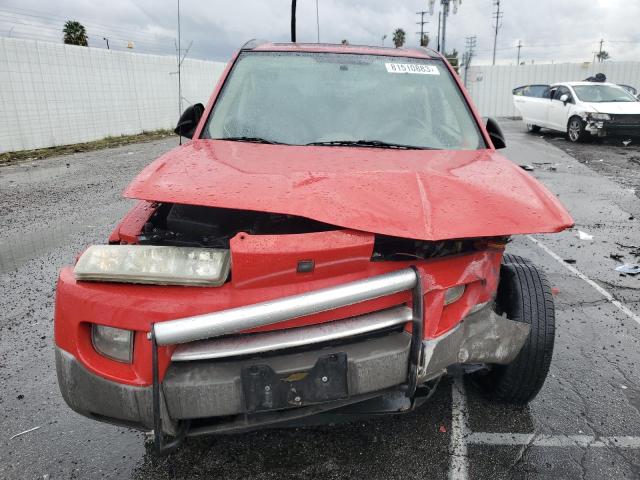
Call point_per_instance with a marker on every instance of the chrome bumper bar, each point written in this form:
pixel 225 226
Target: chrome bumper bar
pixel 235 320
pixel 250 344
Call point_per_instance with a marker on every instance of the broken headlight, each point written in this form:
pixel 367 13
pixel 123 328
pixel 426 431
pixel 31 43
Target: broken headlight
pixel 599 116
pixel 152 264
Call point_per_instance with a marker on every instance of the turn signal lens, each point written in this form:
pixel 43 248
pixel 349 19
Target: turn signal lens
pixel 113 343
pixel 453 294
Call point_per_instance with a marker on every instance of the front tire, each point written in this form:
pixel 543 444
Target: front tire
pixel 575 130
pixel 524 294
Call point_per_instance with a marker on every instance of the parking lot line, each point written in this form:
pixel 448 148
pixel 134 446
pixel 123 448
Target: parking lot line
pixel 539 440
pixel 458 469
pixel 616 303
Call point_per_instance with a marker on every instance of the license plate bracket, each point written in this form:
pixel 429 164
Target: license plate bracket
pixel 264 389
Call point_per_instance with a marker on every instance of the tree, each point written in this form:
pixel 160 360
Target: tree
pixel 399 37
pixel 345 41
pixel 452 57
pixel 424 41
pixel 603 55
pixel 75 33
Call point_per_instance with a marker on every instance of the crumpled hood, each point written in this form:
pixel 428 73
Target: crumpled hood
pixel 420 194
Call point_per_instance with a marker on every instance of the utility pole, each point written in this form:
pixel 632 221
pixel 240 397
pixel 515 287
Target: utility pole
pixel 470 45
pixel 446 4
pixel 383 38
pixel 422 23
pixel 293 21
pixel 519 47
pixel 600 51
pixel 439 20
pixel 497 15
pixel 106 40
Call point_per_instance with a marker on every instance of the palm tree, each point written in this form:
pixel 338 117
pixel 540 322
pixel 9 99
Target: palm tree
pixel 74 33
pixel 399 37
pixel 603 55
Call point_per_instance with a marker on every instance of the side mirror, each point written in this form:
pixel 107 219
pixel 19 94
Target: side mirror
pixel 189 120
pixel 564 98
pixel 495 133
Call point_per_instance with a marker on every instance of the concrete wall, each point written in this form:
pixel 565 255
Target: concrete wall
pixel 491 87
pixel 54 94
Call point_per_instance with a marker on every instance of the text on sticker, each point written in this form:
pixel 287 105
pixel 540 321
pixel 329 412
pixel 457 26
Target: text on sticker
pixel 412 68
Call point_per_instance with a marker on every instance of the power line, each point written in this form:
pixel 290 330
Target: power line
pixel 497 16
pixel 51 31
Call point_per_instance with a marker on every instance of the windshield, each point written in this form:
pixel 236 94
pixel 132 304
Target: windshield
pixel 603 93
pixel 343 99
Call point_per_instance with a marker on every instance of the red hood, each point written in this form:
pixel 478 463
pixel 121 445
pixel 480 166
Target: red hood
pixel 421 194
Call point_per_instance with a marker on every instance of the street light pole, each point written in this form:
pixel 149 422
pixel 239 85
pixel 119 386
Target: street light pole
pixel 106 40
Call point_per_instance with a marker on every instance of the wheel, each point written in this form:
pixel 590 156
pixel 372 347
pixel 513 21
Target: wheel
pixel 524 294
pixel 575 130
pixel 531 128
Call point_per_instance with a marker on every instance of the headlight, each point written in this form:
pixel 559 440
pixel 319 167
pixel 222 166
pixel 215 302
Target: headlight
pixel 599 116
pixel 453 294
pixel 154 265
pixel 113 343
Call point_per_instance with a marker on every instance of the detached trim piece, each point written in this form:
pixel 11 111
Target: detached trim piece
pixel 293 337
pixel 266 313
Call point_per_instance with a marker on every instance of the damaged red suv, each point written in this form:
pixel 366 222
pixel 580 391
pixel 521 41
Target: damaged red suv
pixel 329 243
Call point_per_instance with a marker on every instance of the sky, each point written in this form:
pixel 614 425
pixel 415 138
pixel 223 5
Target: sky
pixel 550 30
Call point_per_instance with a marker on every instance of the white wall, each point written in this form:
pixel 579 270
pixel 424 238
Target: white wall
pixel 491 86
pixel 54 94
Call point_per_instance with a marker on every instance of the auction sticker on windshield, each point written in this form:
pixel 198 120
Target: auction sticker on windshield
pixel 412 68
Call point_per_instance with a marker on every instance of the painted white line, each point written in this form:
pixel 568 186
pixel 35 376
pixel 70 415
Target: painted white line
pixel 616 303
pixel 584 441
pixel 459 468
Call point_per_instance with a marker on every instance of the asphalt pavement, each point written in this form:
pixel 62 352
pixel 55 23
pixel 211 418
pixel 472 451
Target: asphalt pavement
pixel 585 423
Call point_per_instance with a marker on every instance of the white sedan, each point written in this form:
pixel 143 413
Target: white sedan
pixel 581 109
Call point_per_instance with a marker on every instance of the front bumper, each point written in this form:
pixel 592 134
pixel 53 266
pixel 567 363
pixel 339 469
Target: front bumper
pixel 618 125
pixel 210 392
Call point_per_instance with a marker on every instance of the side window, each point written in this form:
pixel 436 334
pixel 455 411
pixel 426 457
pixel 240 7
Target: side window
pixel 562 91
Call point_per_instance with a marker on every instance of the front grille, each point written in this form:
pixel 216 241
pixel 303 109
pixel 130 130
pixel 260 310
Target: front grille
pixel 625 120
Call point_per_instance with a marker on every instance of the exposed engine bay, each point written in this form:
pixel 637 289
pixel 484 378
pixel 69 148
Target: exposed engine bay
pixel 212 227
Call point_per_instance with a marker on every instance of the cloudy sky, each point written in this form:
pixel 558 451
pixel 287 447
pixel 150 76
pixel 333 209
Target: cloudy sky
pixel 550 30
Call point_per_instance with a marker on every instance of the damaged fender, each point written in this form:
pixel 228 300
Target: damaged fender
pixel 482 337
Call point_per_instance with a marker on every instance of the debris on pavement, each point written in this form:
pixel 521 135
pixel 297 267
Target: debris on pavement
pixel 26 431
pixel 626 142
pixel 616 256
pixel 528 168
pixel 629 268
pixel 570 260
pixel 555 291
pixel 584 235
pixel 443 429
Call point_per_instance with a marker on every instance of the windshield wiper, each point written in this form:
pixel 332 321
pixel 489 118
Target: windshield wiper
pixel 251 139
pixel 369 143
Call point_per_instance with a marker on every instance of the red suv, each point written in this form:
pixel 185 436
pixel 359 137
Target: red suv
pixel 329 243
